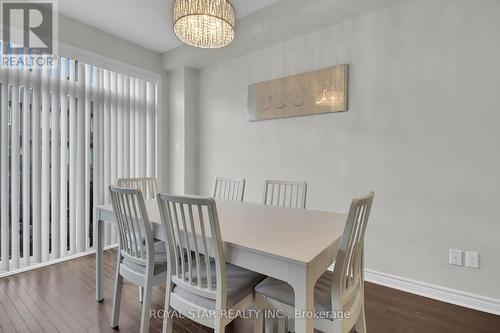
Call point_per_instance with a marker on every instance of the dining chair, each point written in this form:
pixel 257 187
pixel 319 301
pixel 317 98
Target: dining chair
pixel 198 279
pixel 149 188
pixel 289 194
pixel 148 185
pixel 228 189
pixel 140 259
pixel 285 193
pixel 338 292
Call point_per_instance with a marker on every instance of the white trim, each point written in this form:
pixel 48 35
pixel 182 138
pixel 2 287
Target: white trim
pixel 453 296
pixel 52 262
pixel 91 58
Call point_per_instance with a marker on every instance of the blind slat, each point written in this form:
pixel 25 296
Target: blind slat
pixel 101 140
pixel 143 129
pixel 107 148
pixel 81 239
pixel 72 157
pixel 36 167
pixel 137 128
pixel 45 164
pixel 14 169
pixel 132 121
pixel 88 110
pixel 55 148
pixel 26 166
pixel 126 127
pixel 114 143
pixel 4 230
pixel 64 159
pixel 120 122
pixel 96 144
pixel 151 130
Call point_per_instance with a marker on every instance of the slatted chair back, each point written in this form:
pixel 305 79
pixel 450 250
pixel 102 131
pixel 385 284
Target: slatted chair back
pixel 135 235
pixel 285 193
pixel 229 189
pixel 192 231
pixel 148 185
pixel 348 277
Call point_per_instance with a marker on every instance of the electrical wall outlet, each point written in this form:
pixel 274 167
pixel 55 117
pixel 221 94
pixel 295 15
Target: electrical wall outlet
pixel 456 257
pixel 472 259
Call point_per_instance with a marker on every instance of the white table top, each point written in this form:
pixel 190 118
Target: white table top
pixel 294 234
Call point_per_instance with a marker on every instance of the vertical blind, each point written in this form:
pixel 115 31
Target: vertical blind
pixel 68 131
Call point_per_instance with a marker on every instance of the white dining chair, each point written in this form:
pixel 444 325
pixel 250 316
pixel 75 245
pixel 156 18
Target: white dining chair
pixel 340 291
pixel 141 260
pixel 228 189
pixel 291 194
pixel 148 185
pixel 285 193
pixel 199 281
pixel 149 189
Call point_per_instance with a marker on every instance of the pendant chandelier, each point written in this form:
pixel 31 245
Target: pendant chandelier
pixel 204 23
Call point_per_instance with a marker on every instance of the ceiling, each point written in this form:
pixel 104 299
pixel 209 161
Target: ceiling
pixel 279 22
pixel 147 23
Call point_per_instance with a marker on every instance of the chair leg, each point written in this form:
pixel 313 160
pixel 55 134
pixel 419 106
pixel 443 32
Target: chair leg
pixel 281 325
pixel 269 325
pixel 167 323
pixel 146 306
pixel 117 295
pixel 260 305
pixel 219 327
pixel 167 320
pixel 337 326
pixel 361 322
pixel 141 294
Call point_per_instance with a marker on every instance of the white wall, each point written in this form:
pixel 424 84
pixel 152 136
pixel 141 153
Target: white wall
pixel 176 134
pixel 182 103
pixel 192 130
pixel 421 131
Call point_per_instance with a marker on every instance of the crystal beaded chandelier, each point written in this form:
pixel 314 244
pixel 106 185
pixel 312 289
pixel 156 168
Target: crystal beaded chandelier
pixel 204 23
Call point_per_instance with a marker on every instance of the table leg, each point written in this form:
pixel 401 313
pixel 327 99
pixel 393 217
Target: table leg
pixel 99 269
pixel 303 286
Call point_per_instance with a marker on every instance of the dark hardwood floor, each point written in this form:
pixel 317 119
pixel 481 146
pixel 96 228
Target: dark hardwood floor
pixel 60 298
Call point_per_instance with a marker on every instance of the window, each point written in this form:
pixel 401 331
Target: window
pixel 67 133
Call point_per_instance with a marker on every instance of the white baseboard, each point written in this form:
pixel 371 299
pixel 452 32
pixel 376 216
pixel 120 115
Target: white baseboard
pixel 453 296
pixel 448 295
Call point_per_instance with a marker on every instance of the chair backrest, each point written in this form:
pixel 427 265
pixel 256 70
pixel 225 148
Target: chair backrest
pixel 285 193
pixel 229 189
pixel 192 231
pixel 148 185
pixel 347 288
pixel 135 235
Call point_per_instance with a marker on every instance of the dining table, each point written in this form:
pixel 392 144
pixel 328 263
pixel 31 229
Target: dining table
pixel 290 244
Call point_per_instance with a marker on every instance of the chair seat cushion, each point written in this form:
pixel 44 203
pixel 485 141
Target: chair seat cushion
pixel 160 261
pixel 283 292
pixel 239 284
